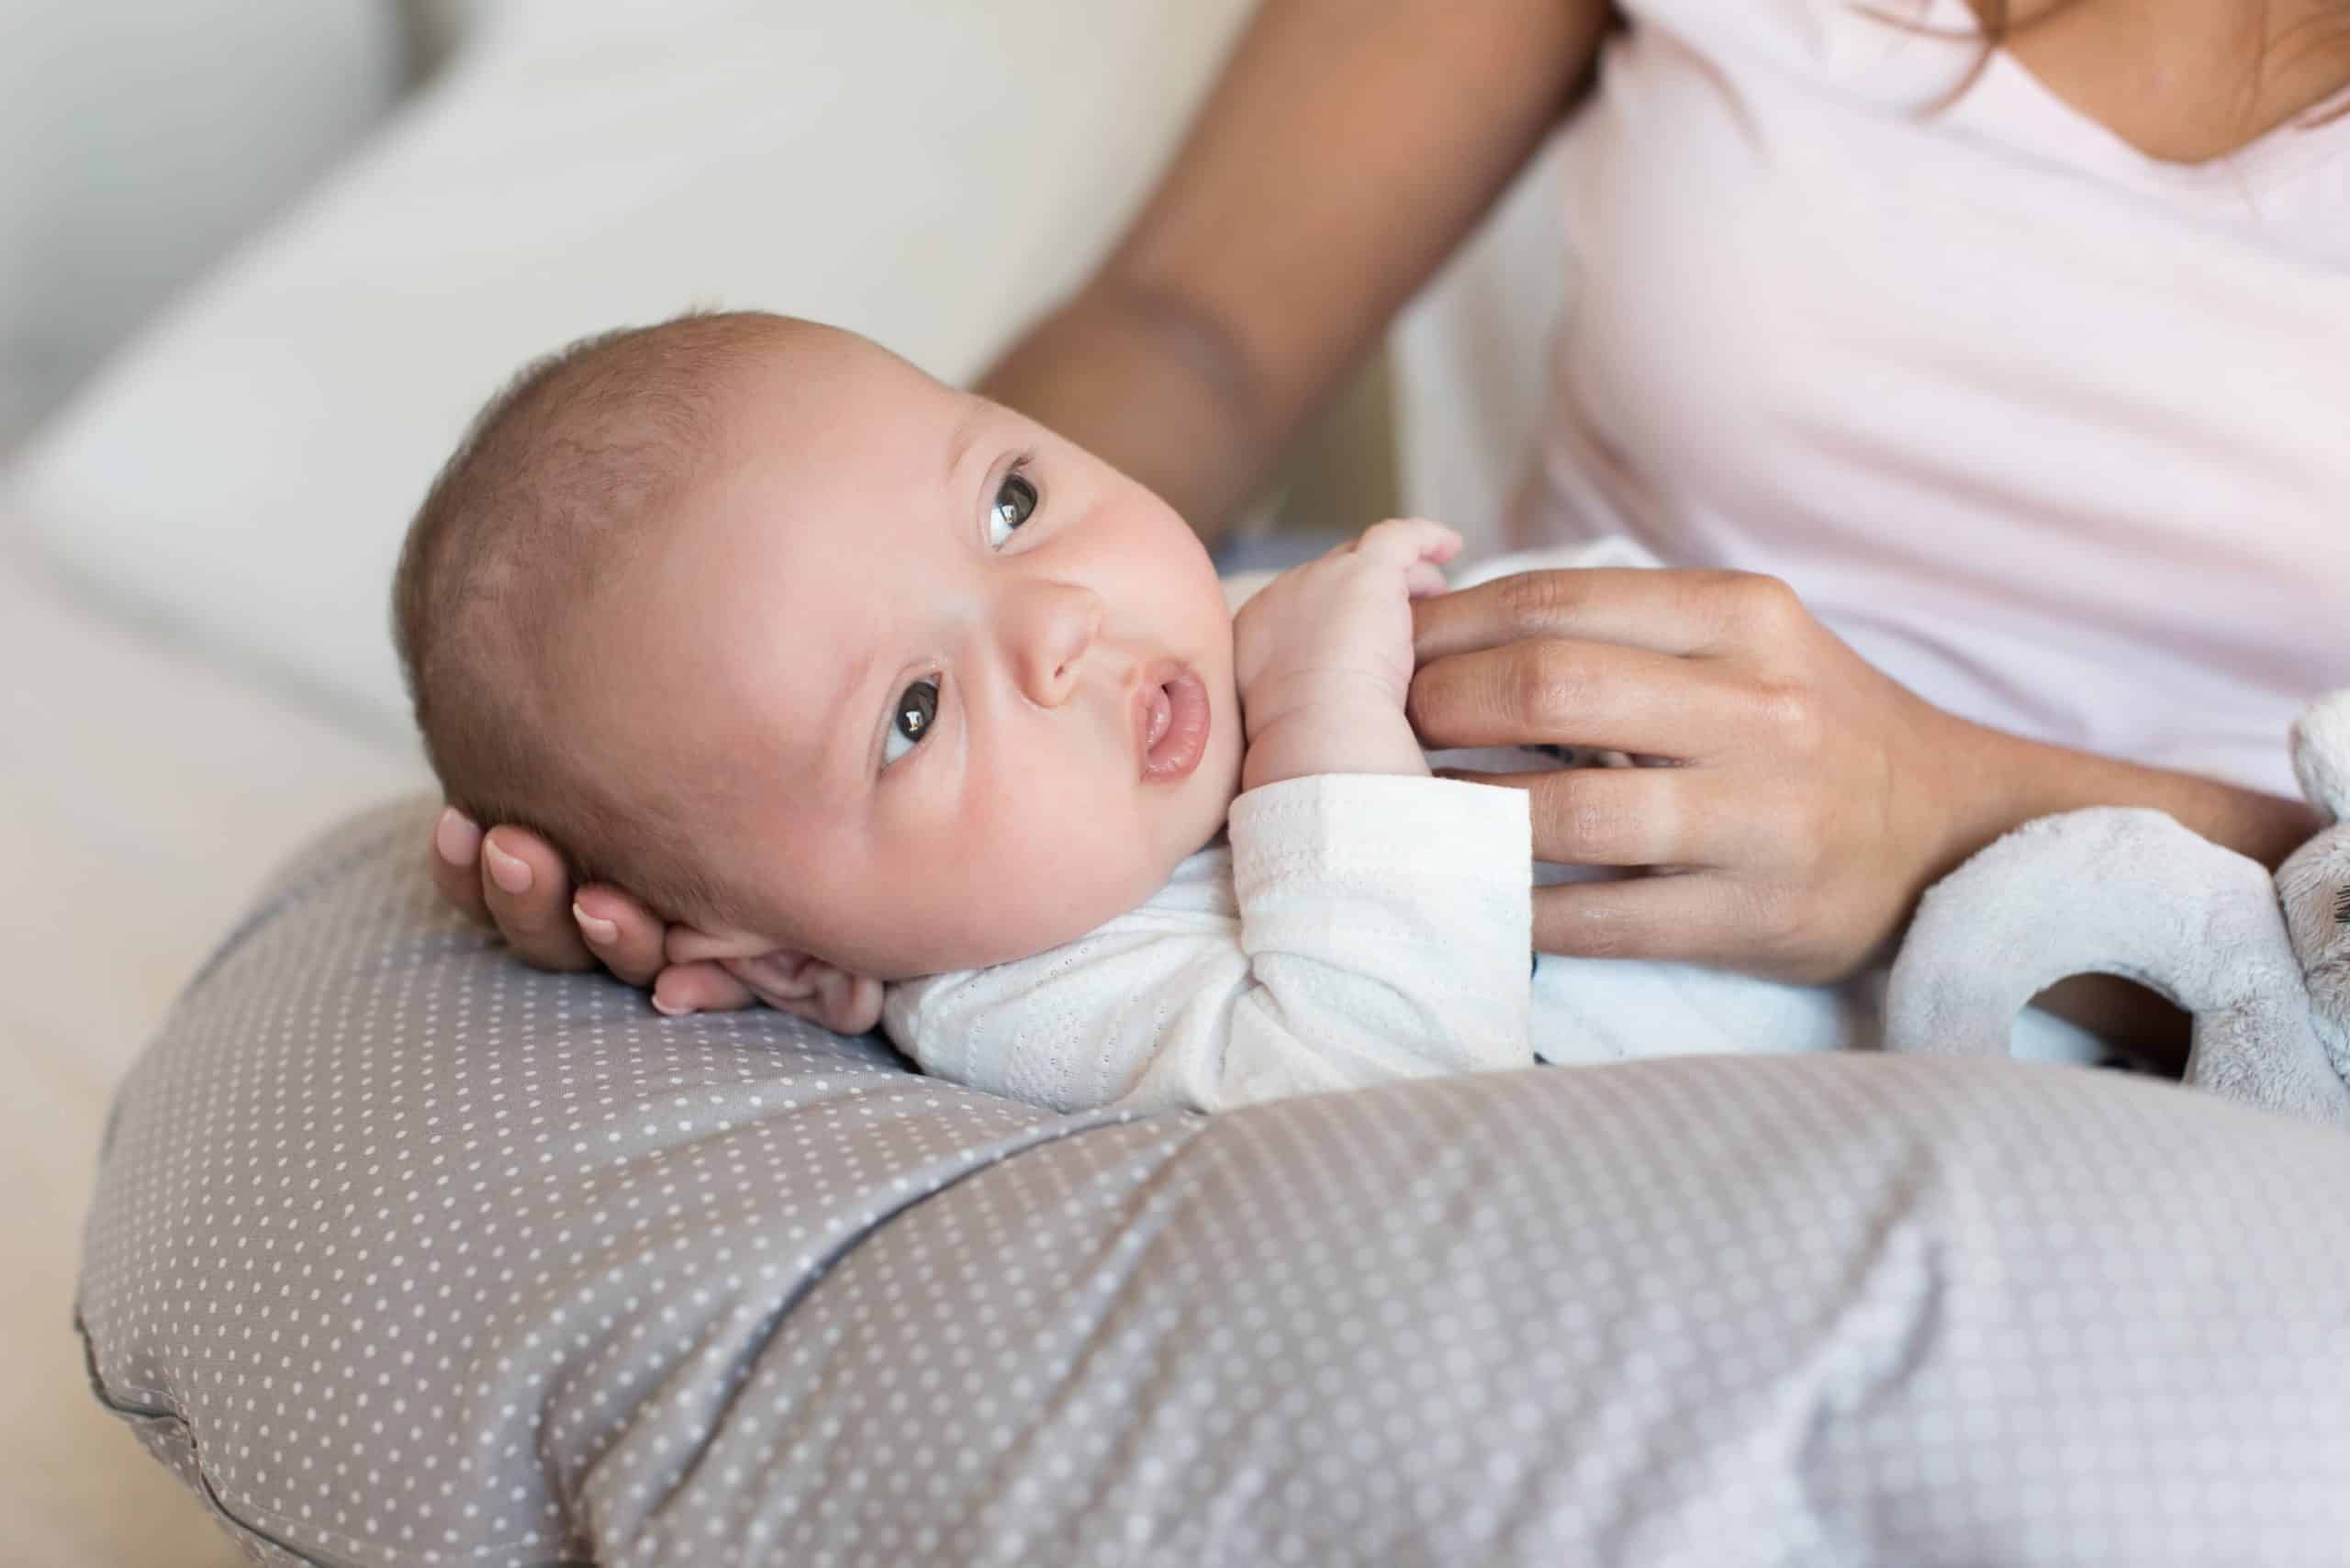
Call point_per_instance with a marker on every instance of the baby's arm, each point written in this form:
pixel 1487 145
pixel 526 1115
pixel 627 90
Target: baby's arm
pixel 1322 656
pixel 1380 931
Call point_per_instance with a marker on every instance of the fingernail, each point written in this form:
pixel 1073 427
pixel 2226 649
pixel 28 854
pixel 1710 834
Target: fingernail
pixel 666 1010
pixel 508 872
pixel 456 837
pixel 603 932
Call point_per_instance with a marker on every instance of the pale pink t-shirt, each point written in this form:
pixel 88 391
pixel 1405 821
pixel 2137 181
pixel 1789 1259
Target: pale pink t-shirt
pixel 2054 433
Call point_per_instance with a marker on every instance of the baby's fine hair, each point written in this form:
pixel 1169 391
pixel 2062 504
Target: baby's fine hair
pixel 531 524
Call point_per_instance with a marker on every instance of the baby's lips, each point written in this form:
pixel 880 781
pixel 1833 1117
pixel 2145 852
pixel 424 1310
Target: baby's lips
pixel 1158 713
pixel 1168 750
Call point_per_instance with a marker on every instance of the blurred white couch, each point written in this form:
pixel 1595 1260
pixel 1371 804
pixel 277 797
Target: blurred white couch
pixel 195 554
pixel 140 140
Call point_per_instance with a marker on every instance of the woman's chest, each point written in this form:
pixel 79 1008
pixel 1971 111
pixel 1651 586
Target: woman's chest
pixel 1946 372
pixel 1774 283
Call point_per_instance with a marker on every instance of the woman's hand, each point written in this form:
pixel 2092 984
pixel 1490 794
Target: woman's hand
pixel 1814 799
pixel 513 880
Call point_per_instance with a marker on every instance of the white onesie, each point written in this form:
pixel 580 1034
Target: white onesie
pixel 1346 929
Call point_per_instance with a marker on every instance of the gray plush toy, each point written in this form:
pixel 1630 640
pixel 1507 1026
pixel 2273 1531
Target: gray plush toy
pixel 2262 964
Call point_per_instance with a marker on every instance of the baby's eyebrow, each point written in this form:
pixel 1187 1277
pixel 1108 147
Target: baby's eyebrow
pixel 840 722
pixel 967 436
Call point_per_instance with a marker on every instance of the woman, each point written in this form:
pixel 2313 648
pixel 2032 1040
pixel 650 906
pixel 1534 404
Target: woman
pixel 1986 373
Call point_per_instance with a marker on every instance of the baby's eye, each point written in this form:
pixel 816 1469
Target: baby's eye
pixel 917 707
pixel 1015 502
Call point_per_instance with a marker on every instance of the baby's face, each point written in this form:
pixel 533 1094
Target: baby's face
pixel 961 692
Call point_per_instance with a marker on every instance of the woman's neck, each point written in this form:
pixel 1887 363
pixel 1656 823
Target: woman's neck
pixel 2184 81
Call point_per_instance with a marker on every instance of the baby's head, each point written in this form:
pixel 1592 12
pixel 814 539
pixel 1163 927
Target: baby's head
pixel 817 655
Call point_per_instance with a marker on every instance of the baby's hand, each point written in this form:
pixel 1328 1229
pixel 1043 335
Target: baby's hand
pixel 1322 656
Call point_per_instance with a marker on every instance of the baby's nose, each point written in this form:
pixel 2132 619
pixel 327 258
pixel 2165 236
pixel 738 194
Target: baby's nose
pixel 1059 624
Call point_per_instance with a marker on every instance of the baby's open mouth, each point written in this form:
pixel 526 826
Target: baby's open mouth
pixel 1170 721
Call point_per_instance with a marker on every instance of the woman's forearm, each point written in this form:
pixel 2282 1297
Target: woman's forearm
pixel 2005 781
pixel 1151 386
pixel 1344 151
pixel 2009 780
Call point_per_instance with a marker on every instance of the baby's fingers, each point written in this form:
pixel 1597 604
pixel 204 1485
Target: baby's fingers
pixel 1405 542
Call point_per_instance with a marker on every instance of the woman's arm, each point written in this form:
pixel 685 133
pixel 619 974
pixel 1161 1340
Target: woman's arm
pixel 1346 150
pixel 2009 780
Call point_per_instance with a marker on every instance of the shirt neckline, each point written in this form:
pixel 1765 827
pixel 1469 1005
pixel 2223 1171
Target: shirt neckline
pixel 2281 153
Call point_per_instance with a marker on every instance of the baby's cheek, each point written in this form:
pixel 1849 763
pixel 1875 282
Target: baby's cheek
pixel 1063 877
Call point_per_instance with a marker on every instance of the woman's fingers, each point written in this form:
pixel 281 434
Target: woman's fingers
pixel 625 937
pixel 1669 611
pixel 703 986
pixel 1694 917
pixel 1618 816
pixel 527 891
pixel 455 862
pixel 513 880
pixel 1560 692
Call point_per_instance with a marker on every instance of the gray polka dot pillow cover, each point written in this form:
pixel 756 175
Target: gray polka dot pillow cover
pixel 403 1255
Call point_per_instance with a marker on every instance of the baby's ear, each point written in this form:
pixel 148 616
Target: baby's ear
pixel 786 979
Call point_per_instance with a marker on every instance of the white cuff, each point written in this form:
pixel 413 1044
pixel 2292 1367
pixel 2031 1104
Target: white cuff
pixel 1399 825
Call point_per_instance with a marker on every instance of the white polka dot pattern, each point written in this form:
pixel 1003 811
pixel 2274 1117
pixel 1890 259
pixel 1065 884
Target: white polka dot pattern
pixel 403 1255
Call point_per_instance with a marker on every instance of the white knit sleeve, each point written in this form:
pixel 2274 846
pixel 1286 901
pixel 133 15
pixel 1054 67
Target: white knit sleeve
pixel 1382 929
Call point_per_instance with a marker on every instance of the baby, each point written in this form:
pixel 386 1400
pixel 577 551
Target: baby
pixel 925 717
